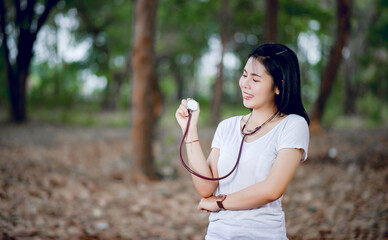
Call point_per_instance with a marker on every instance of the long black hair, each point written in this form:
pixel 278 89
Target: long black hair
pixel 282 64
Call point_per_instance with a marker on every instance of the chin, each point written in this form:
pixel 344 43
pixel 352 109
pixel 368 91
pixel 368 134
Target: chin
pixel 248 104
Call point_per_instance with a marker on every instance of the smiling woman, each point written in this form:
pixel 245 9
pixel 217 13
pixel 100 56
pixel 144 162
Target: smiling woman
pixel 247 204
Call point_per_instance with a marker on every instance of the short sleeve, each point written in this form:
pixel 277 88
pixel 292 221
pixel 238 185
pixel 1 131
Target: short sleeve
pixel 217 139
pixel 296 135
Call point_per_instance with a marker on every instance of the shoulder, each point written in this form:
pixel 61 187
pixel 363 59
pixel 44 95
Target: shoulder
pixel 294 119
pixel 230 121
pixel 294 123
pixel 294 134
pixel 228 124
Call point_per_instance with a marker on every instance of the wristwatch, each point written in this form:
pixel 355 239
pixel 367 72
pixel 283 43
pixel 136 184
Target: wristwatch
pixel 219 199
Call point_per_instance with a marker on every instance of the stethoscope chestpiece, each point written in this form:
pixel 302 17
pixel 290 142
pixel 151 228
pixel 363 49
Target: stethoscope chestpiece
pixel 192 105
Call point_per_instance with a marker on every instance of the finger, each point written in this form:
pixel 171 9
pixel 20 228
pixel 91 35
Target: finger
pixel 182 107
pixel 199 207
pixel 178 112
pixel 184 110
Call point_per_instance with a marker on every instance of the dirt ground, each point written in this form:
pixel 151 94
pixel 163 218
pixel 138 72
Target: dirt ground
pixel 60 182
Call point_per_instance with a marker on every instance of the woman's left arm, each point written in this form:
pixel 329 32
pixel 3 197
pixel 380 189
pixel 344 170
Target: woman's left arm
pixel 263 192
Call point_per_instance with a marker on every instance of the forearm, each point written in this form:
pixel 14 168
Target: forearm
pixel 199 164
pixel 248 198
pixel 251 197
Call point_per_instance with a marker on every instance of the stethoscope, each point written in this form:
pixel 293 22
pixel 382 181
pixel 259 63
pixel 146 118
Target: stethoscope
pixel 192 106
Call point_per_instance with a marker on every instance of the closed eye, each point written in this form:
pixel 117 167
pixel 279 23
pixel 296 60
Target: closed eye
pixel 257 77
pixel 245 73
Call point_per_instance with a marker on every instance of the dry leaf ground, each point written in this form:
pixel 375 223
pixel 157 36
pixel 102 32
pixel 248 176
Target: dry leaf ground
pixel 59 182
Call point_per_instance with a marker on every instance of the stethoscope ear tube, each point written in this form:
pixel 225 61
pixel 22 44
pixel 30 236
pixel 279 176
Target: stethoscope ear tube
pixel 197 174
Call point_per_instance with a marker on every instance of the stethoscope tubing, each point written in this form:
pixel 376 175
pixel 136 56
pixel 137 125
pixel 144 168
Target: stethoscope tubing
pixel 199 175
pixel 244 135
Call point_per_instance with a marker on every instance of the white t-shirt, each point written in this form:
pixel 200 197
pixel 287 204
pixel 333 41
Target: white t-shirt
pixel 257 158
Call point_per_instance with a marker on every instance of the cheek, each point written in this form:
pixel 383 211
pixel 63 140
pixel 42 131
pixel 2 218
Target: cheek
pixel 240 83
pixel 263 92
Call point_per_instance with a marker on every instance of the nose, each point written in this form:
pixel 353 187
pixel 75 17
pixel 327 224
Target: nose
pixel 244 82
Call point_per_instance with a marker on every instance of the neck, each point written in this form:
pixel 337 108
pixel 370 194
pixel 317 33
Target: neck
pixel 261 115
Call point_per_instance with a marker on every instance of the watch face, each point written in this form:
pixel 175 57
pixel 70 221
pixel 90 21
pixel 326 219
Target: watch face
pixel 192 105
pixel 221 197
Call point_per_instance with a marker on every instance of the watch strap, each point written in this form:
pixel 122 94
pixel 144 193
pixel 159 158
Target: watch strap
pixel 219 200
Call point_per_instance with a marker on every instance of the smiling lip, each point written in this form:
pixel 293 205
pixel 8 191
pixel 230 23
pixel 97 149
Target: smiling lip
pixel 247 96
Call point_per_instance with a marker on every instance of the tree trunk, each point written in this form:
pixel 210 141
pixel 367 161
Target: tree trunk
pixel 17 94
pixel 110 100
pixel 328 75
pixel 145 101
pixel 113 90
pixel 217 86
pixel 271 17
pixel 351 89
pixel 18 72
pixel 357 46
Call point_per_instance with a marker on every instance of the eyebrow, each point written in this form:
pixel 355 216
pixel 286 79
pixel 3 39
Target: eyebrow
pixel 254 74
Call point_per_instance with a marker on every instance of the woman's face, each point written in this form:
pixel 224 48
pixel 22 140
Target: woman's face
pixel 257 86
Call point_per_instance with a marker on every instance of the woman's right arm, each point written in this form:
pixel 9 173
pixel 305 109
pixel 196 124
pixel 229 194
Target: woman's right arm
pixel 196 158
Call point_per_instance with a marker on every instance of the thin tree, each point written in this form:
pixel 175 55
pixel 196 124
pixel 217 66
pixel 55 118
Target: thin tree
pixel 146 100
pixel 28 20
pixel 364 16
pixel 224 18
pixel 271 20
pixel 335 57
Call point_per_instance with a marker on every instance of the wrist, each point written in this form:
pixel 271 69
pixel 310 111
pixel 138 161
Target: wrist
pixel 219 200
pixel 192 130
pixel 192 135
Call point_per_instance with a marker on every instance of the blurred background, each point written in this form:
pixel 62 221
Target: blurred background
pixel 89 89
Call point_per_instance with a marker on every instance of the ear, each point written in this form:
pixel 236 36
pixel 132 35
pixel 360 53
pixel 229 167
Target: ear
pixel 277 91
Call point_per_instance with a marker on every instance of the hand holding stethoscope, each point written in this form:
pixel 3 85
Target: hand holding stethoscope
pixel 183 112
pixel 187 117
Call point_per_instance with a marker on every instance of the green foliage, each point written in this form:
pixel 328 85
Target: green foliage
pixel 370 105
pixel 334 106
pixel 54 86
pixel 183 32
pixel 168 87
pixel 84 114
pixel 125 95
pixel 3 91
pixel 184 28
pixel 379 29
pixel 3 80
pixel 109 25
